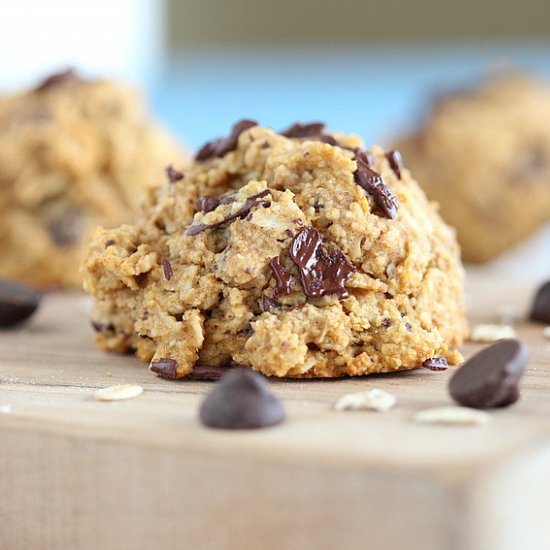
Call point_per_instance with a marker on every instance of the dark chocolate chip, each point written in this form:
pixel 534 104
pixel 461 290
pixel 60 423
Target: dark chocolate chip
pixel 297 130
pixel 321 273
pixel 436 363
pixel 364 156
pixel 408 326
pixel 327 138
pixel 241 400
pixel 396 162
pixel 267 304
pixel 386 323
pixel 220 147
pixel 167 268
pixel 242 212
pixel 165 368
pixel 65 77
pixel 283 279
pixel 491 377
pixel 99 326
pixel 67 228
pixel 18 302
pixel 173 174
pixel 109 243
pixel 374 185
pixel 540 310
pixel 206 203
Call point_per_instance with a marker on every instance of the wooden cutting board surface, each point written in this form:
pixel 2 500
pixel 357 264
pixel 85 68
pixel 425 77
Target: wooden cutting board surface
pixel 143 473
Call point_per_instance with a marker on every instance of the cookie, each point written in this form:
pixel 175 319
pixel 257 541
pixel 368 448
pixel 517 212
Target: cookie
pixel 484 155
pixel 296 254
pixel 73 154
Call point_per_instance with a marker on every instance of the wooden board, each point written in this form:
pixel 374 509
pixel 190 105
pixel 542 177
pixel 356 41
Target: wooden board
pixel 143 473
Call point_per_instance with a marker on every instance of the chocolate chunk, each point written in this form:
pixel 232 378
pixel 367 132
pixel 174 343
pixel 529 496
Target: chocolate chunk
pixel 165 368
pixel 206 203
pixel 204 373
pixel 99 326
pixel 18 302
pixel 65 77
pixel 109 243
pixel 321 273
pixel 364 156
pixel 283 279
pixel 374 185
pixel 220 147
pixel 396 162
pixel 436 363
pixel 267 304
pixel 173 174
pixel 386 323
pixel 540 310
pixel 297 130
pixel 491 377
pixel 242 212
pixel 241 400
pixel 167 268
pixel 66 228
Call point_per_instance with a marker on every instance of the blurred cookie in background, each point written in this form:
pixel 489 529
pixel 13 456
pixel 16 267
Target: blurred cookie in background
pixel 73 154
pixel 484 155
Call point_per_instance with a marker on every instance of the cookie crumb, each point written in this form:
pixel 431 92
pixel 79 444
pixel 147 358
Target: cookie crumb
pixel 491 333
pixel 460 416
pixel 371 400
pixel 119 392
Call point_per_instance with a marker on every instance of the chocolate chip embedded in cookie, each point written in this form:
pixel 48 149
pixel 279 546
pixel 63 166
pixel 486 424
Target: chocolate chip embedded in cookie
pixel 74 153
pixel 308 257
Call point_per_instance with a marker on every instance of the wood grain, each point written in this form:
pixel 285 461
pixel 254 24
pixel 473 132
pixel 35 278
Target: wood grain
pixel 143 473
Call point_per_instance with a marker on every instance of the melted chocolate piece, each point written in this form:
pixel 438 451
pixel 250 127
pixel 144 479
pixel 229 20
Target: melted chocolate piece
pixel 321 273
pixel 18 302
pixel 220 147
pixel 206 203
pixel 165 368
pixel 242 212
pixel 167 268
pixel 396 162
pixel 173 174
pixel 65 77
pixel 374 185
pixel 436 363
pixel 297 130
pixel 491 377
pixel 204 373
pixel 283 279
pixel 241 400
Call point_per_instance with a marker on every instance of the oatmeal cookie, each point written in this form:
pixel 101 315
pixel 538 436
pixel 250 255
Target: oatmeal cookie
pixel 484 155
pixel 73 154
pixel 296 254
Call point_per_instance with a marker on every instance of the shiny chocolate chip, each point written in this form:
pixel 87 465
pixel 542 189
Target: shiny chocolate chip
pixel 165 368
pixel 18 302
pixel 241 400
pixel 540 310
pixel 220 147
pixel 491 377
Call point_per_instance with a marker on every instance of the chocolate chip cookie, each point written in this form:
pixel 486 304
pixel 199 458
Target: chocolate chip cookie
pixel 73 154
pixel 484 155
pixel 294 253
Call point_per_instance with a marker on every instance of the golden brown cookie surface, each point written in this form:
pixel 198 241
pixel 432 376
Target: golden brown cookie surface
pixel 73 154
pixel 484 155
pixel 295 256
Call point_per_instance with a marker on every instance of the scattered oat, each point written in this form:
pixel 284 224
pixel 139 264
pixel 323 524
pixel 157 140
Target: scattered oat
pixel 492 333
pixel 452 415
pixel 116 393
pixel 373 400
pixel 5 409
pixel 546 332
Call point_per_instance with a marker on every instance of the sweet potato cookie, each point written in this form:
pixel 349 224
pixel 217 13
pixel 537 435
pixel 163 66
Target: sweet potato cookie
pixel 484 155
pixel 73 154
pixel 296 254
